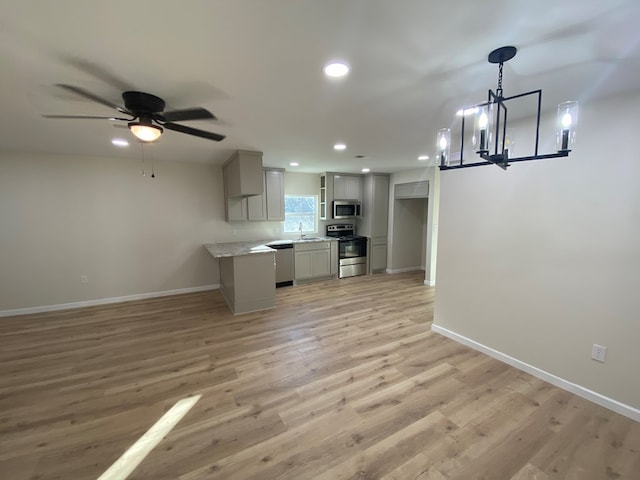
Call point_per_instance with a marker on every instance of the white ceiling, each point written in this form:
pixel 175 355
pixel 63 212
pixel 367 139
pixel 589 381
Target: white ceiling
pixel 257 65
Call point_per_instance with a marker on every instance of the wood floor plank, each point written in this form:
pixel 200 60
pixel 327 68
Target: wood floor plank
pixel 342 379
pixel 383 457
pixel 416 468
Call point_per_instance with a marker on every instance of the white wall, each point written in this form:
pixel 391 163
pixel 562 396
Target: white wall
pixel 63 217
pixel 541 261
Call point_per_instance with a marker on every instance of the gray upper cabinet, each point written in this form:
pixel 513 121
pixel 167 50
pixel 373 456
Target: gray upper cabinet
pixel 243 174
pixel 412 190
pixel 259 208
pixel 274 193
pixel 236 209
pixel 347 187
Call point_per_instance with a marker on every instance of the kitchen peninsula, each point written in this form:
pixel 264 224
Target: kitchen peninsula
pixel 247 275
pixel 247 269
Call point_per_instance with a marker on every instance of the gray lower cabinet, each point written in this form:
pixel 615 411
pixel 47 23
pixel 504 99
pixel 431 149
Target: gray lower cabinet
pixel 377 254
pixel 334 258
pixel 312 260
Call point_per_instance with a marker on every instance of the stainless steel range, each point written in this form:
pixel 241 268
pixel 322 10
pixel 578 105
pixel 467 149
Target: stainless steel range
pixel 352 250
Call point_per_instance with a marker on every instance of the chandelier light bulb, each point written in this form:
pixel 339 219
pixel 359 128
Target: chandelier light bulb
pixel 567 120
pixel 442 144
pixel 481 131
pixel 483 121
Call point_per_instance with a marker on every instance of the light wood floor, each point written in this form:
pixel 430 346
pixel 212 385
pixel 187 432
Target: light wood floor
pixel 342 380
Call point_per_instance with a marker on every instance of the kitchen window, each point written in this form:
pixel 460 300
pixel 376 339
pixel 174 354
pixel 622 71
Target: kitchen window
pixel 300 209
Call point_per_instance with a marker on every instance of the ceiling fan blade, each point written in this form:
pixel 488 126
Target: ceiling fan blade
pixel 84 93
pixel 216 137
pixel 89 116
pixel 187 114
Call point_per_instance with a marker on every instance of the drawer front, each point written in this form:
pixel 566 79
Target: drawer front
pixel 306 246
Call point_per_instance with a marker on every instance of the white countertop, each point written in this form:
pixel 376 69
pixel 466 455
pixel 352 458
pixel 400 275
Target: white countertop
pixel 236 249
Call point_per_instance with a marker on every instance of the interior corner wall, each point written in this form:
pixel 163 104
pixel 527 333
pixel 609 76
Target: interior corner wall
pixel 64 217
pixel 541 261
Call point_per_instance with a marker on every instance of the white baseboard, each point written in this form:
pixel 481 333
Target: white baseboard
pixel 403 270
pixel 105 301
pixel 595 397
pixel 429 283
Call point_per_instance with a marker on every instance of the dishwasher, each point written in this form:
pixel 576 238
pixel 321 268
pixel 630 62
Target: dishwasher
pixel 284 264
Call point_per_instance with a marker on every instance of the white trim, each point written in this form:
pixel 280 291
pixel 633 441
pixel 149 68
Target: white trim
pixel 105 301
pixel 595 397
pixel 429 283
pixel 403 270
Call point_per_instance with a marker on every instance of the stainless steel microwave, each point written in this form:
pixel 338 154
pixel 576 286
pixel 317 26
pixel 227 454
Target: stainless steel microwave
pixel 346 209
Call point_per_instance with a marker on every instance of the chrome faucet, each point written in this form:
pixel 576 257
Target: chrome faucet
pixel 300 229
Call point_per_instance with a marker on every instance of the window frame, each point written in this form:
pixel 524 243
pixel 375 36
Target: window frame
pixel 315 214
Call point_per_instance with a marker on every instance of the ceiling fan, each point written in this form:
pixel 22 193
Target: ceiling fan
pixel 146 116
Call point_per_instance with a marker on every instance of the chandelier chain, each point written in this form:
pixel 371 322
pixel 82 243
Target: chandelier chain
pixel 499 90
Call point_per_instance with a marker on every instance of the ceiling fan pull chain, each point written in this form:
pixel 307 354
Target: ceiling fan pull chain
pixel 142 156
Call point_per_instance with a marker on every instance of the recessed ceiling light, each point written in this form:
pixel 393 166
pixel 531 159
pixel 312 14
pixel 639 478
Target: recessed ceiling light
pixel 467 111
pixel 366 170
pixel 336 69
pixel 423 157
pixel 294 164
pixel 120 142
pixel 339 146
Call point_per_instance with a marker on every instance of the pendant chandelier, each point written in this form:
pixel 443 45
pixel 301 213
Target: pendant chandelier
pixel 490 140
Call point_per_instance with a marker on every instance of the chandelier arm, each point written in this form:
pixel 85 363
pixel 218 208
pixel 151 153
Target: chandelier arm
pixel 504 130
pixel 538 120
pixel 462 142
pixel 562 153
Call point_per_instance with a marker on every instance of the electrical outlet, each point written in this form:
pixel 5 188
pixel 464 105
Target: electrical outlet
pixel 598 352
pixel 84 279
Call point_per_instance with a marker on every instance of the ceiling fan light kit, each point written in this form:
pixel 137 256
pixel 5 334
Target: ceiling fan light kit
pixel 145 132
pixel 490 138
